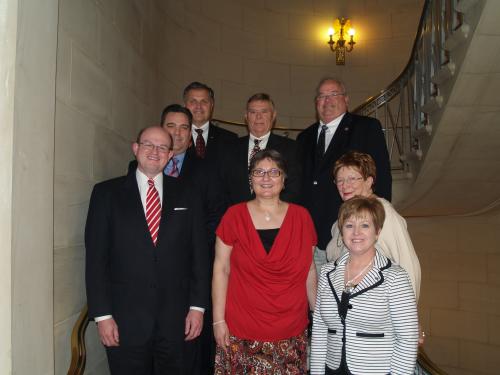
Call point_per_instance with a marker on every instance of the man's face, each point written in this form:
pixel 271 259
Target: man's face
pixel 260 117
pixel 177 124
pixel 153 151
pixel 331 101
pixel 200 104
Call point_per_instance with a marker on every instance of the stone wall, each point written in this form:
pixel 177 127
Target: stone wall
pixel 460 295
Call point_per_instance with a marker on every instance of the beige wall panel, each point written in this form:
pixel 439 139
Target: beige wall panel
pixel 459 324
pixel 128 20
pixel 308 27
pixel 405 23
pixel 209 31
pixel 439 294
pixel 63 77
pixel 266 22
pixel 494 329
pixel 266 75
pixel 479 358
pixel 90 87
pixel 291 6
pixel 74 135
pixel 111 154
pixel 79 18
pixel 127 113
pixel 69 282
pixel 291 51
pixel 494 269
pixel 481 297
pixel 243 43
pixel 114 52
pixel 223 11
pixel 222 66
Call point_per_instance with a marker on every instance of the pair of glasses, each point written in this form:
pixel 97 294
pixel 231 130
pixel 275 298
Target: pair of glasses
pixel 150 147
pixel 332 95
pixel 262 172
pixel 348 180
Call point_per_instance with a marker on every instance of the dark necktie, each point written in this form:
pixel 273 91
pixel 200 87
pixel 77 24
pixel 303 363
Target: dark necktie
pixel 174 172
pixel 200 144
pixel 153 210
pixel 255 149
pixel 320 148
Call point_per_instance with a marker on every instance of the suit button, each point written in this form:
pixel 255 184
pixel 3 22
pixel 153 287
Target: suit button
pixel 315 182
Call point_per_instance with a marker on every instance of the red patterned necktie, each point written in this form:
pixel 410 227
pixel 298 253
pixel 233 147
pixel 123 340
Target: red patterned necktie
pixel 255 149
pixel 153 210
pixel 200 144
pixel 174 172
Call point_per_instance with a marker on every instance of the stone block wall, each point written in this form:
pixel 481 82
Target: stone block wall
pixel 460 295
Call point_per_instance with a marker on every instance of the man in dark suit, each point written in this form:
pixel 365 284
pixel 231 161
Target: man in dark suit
pixel 146 263
pixel 260 117
pixel 199 173
pixel 322 143
pixel 210 141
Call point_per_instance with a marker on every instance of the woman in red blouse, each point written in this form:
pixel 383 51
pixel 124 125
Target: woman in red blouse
pixel 264 280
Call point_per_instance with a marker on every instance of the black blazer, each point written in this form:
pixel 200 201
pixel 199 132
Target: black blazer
pixel 319 193
pixel 145 287
pixel 235 175
pixel 203 175
pixel 218 142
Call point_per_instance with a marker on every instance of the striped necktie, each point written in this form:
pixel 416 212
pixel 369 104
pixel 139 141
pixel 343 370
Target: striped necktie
pixel 153 210
pixel 255 149
pixel 174 172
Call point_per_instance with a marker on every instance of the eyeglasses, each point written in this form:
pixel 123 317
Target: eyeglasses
pixel 348 180
pixel 262 172
pixel 150 147
pixel 329 96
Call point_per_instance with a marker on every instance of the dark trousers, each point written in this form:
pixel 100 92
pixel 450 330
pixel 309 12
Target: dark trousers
pixel 207 345
pixel 157 357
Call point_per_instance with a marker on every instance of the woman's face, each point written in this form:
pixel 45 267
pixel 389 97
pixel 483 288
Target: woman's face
pixel 266 186
pixel 351 183
pixel 359 234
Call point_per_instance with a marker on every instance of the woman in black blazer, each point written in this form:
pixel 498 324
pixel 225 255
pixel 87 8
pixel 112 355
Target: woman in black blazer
pixel 365 320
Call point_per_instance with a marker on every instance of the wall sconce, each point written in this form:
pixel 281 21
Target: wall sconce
pixel 340 48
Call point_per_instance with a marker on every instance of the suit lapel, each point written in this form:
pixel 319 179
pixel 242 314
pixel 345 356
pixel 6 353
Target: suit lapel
pixel 273 141
pixel 337 144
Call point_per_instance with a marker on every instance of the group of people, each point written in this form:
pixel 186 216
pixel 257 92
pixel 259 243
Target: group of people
pixel 210 254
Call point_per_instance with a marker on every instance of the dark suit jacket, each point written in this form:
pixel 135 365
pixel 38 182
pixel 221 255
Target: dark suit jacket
pixel 203 175
pixel 236 169
pixel 319 193
pixel 218 142
pixel 145 288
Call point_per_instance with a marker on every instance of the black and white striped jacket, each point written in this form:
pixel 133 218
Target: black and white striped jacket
pixel 379 334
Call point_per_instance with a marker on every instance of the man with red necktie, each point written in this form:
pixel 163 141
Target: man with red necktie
pixel 146 264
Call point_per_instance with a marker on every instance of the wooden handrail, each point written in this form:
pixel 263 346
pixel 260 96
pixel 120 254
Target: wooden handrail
pixel 78 347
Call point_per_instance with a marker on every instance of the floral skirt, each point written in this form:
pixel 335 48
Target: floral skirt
pixel 245 357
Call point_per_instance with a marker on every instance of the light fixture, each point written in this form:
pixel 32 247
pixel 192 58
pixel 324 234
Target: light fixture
pixel 339 46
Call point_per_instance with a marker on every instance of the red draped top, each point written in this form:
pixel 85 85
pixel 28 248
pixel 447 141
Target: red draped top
pixel 266 295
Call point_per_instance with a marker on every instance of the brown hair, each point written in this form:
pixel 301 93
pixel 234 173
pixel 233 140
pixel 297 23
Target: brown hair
pixel 261 96
pixel 272 155
pixel 359 206
pixel 361 162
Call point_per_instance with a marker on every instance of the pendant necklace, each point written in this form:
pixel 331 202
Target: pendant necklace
pixel 267 216
pixel 349 285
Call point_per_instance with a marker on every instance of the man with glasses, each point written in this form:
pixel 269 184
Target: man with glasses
pixel 260 117
pixel 321 144
pixel 147 276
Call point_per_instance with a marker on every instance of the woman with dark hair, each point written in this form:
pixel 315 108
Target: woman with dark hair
pixel 264 280
pixel 365 321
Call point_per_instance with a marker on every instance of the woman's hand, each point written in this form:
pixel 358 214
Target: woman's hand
pixel 221 334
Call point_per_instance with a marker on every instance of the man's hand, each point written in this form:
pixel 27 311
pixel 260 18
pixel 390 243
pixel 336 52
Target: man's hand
pixel 194 324
pixel 108 332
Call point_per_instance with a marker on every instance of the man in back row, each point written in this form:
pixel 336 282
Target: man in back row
pixel 209 141
pixel 321 144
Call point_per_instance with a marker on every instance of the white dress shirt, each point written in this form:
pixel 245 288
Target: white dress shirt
pixel 204 127
pixel 262 144
pixel 332 128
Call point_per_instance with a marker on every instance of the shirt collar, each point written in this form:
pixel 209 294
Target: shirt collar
pixel 204 127
pixel 264 137
pixel 334 123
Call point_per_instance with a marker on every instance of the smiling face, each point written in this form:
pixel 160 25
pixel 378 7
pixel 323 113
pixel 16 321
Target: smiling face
pixel 260 117
pixel 265 186
pixel 359 234
pixel 201 105
pixel 177 124
pixel 331 101
pixel 350 183
pixel 153 151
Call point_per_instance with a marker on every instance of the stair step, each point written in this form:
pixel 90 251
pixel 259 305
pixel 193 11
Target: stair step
pixel 458 37
pixel 445 73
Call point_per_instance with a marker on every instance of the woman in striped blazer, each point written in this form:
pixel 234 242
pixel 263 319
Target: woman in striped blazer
pixel 365 320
